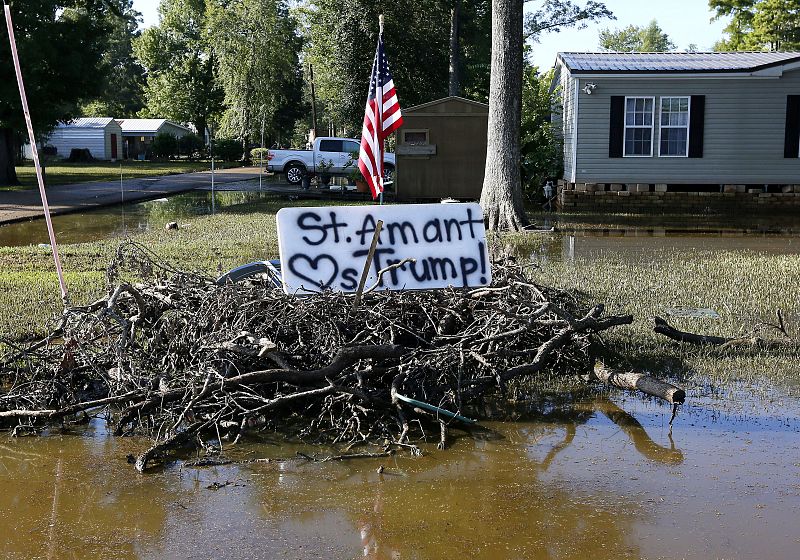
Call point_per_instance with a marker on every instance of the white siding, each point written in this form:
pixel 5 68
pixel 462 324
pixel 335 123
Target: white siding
pixel 565 121
pixel 64 139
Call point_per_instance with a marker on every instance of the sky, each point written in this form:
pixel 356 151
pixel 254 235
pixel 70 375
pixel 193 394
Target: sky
pixel 685 21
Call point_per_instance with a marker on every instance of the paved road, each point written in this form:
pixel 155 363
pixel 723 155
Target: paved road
pixel 23 205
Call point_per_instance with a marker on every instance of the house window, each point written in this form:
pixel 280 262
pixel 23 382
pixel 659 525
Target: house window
pixel 639 126
pixel 674 127
pixel 415 137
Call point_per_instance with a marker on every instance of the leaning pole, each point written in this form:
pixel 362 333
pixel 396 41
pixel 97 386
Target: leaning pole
pixel 35 153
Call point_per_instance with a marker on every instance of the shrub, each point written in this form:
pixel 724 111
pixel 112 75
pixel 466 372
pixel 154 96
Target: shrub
pixel 191 145
pixel 164 145
pixel 227 149
pixel 259 155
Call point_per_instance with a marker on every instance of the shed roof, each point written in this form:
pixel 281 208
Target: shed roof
pixel 88 122
pixel 145 126
pixel 674 62
pixel 444 100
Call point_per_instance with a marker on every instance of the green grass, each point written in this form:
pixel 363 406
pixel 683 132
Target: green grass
pixel 745 288
pixel 61 173
pixel 29 294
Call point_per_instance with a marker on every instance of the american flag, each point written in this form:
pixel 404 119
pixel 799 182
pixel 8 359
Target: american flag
pixel 380 120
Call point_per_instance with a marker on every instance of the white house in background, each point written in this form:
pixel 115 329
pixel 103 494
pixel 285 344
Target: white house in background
pixel 102 136
pixel 139 133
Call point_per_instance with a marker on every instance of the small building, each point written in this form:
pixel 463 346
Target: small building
pixel 102 136
pixel 441 150
pixel 680 118
pixel 138 134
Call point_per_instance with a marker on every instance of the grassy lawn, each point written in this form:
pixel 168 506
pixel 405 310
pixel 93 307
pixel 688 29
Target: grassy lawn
pixel 62 173
pixel 29 288
pixel 745 288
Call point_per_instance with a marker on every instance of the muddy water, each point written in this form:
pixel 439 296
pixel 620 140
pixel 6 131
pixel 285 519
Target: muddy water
pixel 597 479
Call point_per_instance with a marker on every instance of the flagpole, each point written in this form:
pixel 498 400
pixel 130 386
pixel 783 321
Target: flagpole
pixel 380 108
pixel 35 155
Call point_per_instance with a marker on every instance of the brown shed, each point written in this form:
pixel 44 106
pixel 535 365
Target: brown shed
pixel 441 150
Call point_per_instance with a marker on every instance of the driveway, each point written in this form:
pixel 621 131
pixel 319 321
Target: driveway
pixel 23 205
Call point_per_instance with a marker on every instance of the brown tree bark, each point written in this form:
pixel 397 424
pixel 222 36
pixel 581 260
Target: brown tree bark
pixel 8 174
pixel 501 197
pixel 455 54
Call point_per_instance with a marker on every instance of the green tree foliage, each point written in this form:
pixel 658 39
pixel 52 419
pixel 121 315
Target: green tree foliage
pixel 164 145
pixel 541 147
pixel 475 44
pixel 650 38
pixel 342 35
pixel 257 48
pixel 60 47
pixel 759 24
pixel 180 66
pixel 122 96
pixel 555 15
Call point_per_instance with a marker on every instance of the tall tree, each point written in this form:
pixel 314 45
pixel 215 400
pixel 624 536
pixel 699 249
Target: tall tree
pixel 650 38
pixel 759 24
pixel 257 48
pixel 501 197
pixel 180 66
pixel 454 87
pixel 60 45
pixel 123 95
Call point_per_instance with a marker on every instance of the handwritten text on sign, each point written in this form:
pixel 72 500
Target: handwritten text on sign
pixel 325 248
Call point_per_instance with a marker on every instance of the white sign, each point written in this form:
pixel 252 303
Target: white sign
pixel 326 248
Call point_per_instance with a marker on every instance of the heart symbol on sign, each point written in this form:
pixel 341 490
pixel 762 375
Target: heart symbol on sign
pixel 314 270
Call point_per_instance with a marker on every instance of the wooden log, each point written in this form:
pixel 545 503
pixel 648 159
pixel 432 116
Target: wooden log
pixel 639 382
pixel 662 327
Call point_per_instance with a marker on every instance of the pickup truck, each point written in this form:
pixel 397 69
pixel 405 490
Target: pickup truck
pixel 328 155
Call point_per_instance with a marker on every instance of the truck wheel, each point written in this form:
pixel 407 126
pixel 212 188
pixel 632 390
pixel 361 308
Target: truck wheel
pixel 388 175
pixel 294 173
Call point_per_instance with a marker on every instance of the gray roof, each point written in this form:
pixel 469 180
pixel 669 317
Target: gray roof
pixel 146 126
pixel 88 122
pixel 674 62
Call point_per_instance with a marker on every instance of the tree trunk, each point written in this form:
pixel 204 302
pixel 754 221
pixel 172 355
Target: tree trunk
pixel 8 175
pixel 501 197
pixel 455 54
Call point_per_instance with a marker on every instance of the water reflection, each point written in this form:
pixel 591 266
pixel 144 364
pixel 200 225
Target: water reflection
pixel 567 480
pixel 125 219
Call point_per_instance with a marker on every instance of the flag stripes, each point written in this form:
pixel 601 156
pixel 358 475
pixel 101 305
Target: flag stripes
pixel 382 116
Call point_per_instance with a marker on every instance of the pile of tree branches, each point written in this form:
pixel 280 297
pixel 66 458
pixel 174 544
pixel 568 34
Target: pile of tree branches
pixel 183 360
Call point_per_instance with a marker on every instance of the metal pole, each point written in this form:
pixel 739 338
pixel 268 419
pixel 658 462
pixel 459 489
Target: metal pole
pixel 313 101
pixel 35 154
pixel 261 153
pixel 379 107
pixel 211 149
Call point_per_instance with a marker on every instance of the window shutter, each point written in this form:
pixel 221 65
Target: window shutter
pixel 616 132
pixel 697 117
pixel 791 144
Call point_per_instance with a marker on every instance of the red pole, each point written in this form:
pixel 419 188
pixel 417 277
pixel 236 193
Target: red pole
pixel 35 153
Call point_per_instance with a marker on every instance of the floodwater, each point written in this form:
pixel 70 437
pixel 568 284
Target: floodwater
pixel 596 478
pixel 123 220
